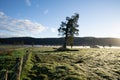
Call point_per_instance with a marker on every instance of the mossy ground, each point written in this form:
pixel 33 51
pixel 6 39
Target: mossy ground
pixel 85 64
pixel 44 63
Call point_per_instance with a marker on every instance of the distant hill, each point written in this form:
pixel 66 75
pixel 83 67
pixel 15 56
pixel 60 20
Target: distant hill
pixel 78 41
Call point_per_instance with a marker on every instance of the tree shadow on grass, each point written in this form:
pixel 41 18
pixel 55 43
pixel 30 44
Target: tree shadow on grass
pixel 61 50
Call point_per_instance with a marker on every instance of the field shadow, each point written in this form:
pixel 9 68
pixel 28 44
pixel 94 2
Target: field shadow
pixel 57 50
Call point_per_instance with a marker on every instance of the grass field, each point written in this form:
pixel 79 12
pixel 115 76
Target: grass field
pixel 8 60
pixel 86 64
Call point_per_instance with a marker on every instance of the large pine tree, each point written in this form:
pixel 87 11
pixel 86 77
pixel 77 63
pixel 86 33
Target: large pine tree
pixel 68 29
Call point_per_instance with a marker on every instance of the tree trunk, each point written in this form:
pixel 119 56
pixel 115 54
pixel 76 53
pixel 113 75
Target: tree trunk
pixel 66 37
pixel 65 44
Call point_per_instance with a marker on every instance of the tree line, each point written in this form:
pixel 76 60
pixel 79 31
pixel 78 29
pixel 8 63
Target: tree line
pixel 78 41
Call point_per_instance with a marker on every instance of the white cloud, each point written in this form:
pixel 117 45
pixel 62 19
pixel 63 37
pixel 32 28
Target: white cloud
pixel 16 27
pixel 28 2
pixel 2 15
pixel 53 30
pixel 46 11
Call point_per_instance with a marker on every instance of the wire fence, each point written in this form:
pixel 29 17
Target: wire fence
pixel 15 71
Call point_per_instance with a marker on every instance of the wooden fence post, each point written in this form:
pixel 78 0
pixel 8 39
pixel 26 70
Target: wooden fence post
pixel 18 68
pixel 6 74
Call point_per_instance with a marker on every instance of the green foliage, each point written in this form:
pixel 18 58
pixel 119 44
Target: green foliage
pixel 69 29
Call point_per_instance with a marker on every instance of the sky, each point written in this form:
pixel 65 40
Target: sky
pixel 42 18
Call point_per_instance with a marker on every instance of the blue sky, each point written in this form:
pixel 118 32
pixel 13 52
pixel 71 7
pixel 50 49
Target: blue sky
pixel 42 18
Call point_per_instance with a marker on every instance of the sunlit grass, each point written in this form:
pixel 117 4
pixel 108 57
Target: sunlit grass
pixel 44 63
pixel 85 64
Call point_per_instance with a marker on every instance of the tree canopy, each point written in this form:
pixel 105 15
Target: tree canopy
pixel 68 29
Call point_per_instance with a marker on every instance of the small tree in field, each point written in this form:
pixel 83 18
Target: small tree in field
pixel 68 29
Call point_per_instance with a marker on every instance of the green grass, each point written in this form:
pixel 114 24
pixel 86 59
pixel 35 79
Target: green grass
pixel 86 64
pixel 11 54
pixel 27 67
pixel 8 56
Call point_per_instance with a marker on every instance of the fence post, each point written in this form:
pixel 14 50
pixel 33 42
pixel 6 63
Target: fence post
pixel 6 74
pixel 19 61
